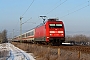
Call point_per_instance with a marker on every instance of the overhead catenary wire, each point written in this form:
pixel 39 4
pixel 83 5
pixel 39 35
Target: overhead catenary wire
pixel 77 6
pixel 27 20
pixel 22 17
pixel 76 10
pixel 56 6
pixel 28 7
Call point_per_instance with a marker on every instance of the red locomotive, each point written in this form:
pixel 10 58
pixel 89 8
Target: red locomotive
pixel 52 31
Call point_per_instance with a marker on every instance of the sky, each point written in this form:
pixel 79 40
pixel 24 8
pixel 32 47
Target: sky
pixel 74 13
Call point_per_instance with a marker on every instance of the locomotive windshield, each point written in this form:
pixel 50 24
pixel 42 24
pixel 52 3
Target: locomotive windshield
pixel 55 25
pixel 52 24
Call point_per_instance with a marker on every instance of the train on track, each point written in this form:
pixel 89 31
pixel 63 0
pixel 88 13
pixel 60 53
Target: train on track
pixel 50 32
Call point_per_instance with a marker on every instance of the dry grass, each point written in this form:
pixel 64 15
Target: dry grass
pixel 41 53
pixel 44 53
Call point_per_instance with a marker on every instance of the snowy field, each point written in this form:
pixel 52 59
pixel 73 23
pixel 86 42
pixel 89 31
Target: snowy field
pixel 10 52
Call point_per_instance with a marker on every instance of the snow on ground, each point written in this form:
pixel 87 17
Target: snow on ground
pixel 10 52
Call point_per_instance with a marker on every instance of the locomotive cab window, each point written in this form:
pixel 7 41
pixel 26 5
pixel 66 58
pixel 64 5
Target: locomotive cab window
pixel 58 24
pixel 55 25
pixel 52 24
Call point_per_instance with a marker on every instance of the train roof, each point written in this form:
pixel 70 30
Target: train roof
pixel 50 19
pixel 53 19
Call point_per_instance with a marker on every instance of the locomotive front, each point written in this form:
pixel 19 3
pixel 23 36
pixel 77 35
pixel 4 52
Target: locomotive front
pixel 55 31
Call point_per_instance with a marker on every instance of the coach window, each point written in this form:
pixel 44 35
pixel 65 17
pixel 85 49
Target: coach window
pixel 29 34
pixel 26 34
pixel 22 35
pixel 19 36
pixel 32 33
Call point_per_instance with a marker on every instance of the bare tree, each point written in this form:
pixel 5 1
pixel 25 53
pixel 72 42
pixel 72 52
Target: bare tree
pixel 3 36
pixel 0 38
pixel 77 38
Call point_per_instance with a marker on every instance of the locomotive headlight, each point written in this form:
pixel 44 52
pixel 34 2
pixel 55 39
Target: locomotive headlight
pixel 60 31
pixel 52 31
pixel 62 34
pixel 47 37
pixel 50 34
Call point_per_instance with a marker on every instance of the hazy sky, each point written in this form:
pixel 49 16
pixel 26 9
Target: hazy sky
pixel 74 13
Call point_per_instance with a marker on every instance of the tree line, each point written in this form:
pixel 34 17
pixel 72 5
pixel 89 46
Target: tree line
pixel 78 38
pixel 3 36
